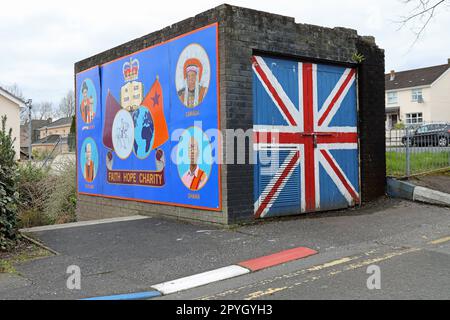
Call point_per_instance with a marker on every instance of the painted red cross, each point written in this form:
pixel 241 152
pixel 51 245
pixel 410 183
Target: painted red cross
pixel 308 136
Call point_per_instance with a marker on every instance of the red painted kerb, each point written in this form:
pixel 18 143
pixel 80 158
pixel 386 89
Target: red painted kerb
pixel 277 258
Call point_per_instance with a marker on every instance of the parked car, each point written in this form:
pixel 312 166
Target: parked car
pixel 434 134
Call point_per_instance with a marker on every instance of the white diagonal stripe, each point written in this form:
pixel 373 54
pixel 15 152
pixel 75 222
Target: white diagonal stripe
pixel 333 93
pixel 336 179
pixel 272 182
pixel 280 188
pixel 278 88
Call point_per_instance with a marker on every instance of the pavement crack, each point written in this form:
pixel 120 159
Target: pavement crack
pixel 99 273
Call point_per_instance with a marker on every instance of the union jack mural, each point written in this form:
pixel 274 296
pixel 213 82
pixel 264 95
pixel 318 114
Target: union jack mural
pixel 305 119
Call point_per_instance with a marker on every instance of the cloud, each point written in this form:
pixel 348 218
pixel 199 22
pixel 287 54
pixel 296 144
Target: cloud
pixel 45 38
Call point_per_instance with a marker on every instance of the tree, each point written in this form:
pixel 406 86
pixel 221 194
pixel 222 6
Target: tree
pixel 42 111
pixel 15 90
pixel 72 135
pixel 423 11
pixel 67 105
pixel 8 188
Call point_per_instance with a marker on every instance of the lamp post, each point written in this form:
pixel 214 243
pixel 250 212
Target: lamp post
pixel 28 103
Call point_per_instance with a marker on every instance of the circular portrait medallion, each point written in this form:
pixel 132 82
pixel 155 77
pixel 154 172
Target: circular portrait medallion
pixel 88 101
pixel 89 159
pixel 192 76
pixel 194 158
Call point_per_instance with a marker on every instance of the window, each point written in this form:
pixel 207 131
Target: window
pixel 392 97
pixel 412 118
pixel 394 118
pixel 424 129
pixel 416 95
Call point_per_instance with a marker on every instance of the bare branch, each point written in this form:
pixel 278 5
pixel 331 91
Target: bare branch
pixel 42 111
pixel 423 12
pixel 66 107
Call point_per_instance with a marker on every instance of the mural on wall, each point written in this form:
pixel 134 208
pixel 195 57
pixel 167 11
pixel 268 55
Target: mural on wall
pixel 147 124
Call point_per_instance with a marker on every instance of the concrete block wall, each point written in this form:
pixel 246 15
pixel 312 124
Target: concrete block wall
pixel 242 33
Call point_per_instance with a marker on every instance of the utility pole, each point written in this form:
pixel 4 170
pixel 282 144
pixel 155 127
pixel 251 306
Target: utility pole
pixel 30 132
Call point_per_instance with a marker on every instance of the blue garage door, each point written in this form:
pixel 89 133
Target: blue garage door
pixel 305 136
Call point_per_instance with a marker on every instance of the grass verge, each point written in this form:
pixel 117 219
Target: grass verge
pixel 22 252
pixel 420 162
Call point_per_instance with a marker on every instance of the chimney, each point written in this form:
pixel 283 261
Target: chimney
pixel 392 75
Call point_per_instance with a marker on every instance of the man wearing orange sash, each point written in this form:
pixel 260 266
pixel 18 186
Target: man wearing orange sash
pixel 87 105
pixel 194 178
pixel 89 165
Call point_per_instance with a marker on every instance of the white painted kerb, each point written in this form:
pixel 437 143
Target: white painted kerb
pixel 431 196
pixel 200 279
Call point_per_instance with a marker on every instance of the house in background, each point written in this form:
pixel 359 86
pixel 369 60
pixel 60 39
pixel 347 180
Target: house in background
pixel 53 137
pixel 24 136
pixel 419 95
pixel 10 106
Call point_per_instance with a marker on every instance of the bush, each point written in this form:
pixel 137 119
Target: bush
pixel 8 189
pixel 47 196
pixel 61 203
pixel 33 218
pixel 34 185
pixel 40 155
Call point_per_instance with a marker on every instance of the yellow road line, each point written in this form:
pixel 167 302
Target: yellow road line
pixel 439 241
pixel 330 264
pixel 285 276
pixel 259 294
pixel 310 278
pixel 379 259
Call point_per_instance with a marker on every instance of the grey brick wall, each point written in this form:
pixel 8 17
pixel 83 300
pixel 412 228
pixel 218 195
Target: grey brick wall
pixel 248 32
pixel 243 32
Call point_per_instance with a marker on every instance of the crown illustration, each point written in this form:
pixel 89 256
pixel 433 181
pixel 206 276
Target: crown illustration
pixel 130 69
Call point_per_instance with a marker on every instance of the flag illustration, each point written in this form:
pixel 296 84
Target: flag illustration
pixel 154 103
pixel 307 111
pixel 112 107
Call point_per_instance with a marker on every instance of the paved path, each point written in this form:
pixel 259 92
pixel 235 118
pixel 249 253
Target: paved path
pixel 439 182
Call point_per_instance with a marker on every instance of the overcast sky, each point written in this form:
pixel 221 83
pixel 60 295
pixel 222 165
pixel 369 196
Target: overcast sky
pixel 41 40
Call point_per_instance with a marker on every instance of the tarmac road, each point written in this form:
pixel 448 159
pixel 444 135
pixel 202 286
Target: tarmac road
pixel 130 256
pixel 415 270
